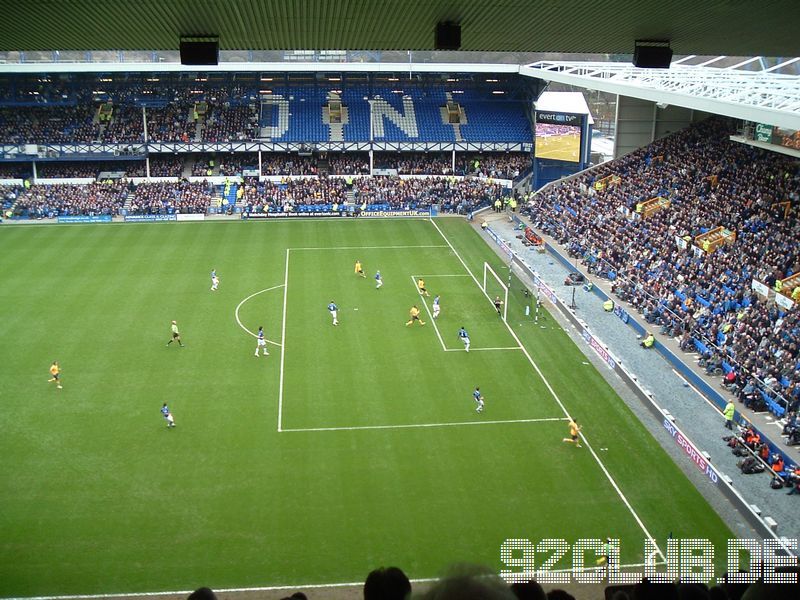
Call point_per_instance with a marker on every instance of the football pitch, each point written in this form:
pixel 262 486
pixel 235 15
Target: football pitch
pixel 347 448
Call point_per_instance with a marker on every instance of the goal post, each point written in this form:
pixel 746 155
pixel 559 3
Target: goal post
pixel 494 287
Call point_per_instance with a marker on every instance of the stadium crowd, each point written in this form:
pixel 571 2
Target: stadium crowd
pixel 503 166
pixel 15 170
pixel 373 193
pixel 171 197
pixel 91 168
pixel 234 164
pixel 175 120
pixel 507 165
pixel 230 124
pixel 172 123
pixel 454 195
pixel 42 201
pixel 551 129
pixel 437 163
pixel 356 163
pixel 383 193
pixel 288 164
pixel 704 298
pixel 164 165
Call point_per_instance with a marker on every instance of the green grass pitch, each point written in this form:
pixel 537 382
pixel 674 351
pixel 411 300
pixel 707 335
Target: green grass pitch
pixel 347 448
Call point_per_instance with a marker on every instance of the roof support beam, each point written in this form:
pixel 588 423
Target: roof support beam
pixel 748 95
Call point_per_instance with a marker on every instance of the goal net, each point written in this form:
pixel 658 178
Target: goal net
pixel 495 289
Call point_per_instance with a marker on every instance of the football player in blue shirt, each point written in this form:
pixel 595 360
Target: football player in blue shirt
pixel 378 280
pixel 462 333
pixel 436 307
pixel 262 343
pixel 167 416
pixel 333 309
pixel 478 398
pixel 214 280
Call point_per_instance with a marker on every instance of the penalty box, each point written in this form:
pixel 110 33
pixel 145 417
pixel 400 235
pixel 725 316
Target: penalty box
pixel 372 371
pixel 463 304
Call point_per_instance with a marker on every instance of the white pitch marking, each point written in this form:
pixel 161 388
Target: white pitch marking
pixel 426 425
pixel 471 349
pixel 365 247
pixel 236 312
pixel 446 275
pixel 283 338
pixel 432 320
pixel 557 399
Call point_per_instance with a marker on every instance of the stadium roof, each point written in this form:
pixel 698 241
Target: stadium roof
pixel 761 96
pixel 734 27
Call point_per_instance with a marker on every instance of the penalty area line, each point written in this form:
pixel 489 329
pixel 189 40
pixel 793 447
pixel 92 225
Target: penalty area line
pixel 238 306
pixel 427 425
pixel 365 247
pixel 471 349
pixel 445 274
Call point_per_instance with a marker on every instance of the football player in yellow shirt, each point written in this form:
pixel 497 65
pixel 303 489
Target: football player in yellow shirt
pixel 414 314
pixel 422 290
pixel 55 372
pixel 574 428
pixel 359 270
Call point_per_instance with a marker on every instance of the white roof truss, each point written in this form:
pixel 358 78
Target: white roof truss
pixel 762 96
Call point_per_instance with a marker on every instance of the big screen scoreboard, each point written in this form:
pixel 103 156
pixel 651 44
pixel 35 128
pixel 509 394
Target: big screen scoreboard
pixel 558 136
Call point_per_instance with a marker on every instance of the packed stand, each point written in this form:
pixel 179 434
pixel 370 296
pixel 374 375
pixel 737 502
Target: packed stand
pixel 375 193
pixel 50 125
pixel 508 165
pixel 166 165
pixel 352 163
pixel 171 198
pixel 705 300
pixel 288 195
pixel 288 164
pixel 48 201
pixel 459 196
pixel 203 166
pixel 126 126
pixel 88 168
pixel 235 164
pixel 15 170
pixel 230 124
pixel 416 164
pixel 170 124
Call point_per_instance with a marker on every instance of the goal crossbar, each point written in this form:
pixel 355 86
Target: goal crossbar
pixel 486 270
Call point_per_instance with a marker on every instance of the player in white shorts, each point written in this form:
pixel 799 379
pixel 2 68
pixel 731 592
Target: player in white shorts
pixel 378 280
pixel 214 280
pixel 436 307
pixel 478 398
pixel 334 310
pixel 262 343
pixel 168 415
pixel 464 336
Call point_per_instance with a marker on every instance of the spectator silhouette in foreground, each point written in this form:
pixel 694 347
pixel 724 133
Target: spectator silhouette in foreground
pixel 469 582
pixel 387 583
pixel 202 593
